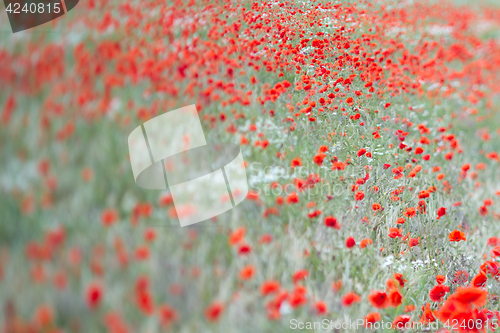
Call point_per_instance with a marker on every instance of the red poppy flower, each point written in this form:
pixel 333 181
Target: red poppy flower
pixel 296 162
pixel 94 295
pixel 359 196
pixel 109 217
pixel 456 236
pixel 371 318
pixel 427 314
pixel 297 298
pixel 401 321
pixel 336 286
pixel 413 242
pixel 495 252
pixel 44 316
pixel 440 279
pixel 236 236
pixel 145 302
pixel 365 242
pixel 395 232
pixel 168 315
pixel 409 308
pixel 292 198
pixel 437 293
pixel 395 297
pixel 269 287
pixel 441 212
pixel 400 220
pixel 423 194
pixel 379 299
pixel 493 241
pixel 247 272
pixel 300 275
pixel 479 280
pixel 410 212
pixel 350 242
pixel 318 159
pixel 471 295
pixel 320 308
pixel 244 249
pixel 490 267
pixel 265 239
pixel 350 298
pixel 214 311
pixel 314 214
pixel 399 277
pixel 332 222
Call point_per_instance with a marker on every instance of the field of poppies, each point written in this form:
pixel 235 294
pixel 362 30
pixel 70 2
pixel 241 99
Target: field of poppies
pixel 369 131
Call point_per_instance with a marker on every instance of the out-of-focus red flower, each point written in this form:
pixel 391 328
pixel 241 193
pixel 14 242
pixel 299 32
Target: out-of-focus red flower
pixel 94 295
pixel 145 302
pixel 247 272
pixel 350 242
pixel 332 222
pixel 244 249
pixel 471 295
pixel 44 316
pixel 292 198
pixel 269 287
pixel 214 311
pixel 109 217
pixel 441 212
pixel 413 242
pixel 365 242
pixel 395 297
pixel 379 299
pixel 399 277
pixel 440 279
pixel 236 236
pixel 493 241
pixel 168 315
pixel 320 308
pixel 401 321
pixel 296 162
pixel 350 298
pixel 300 275
pixel 371 318
pixel 297 298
